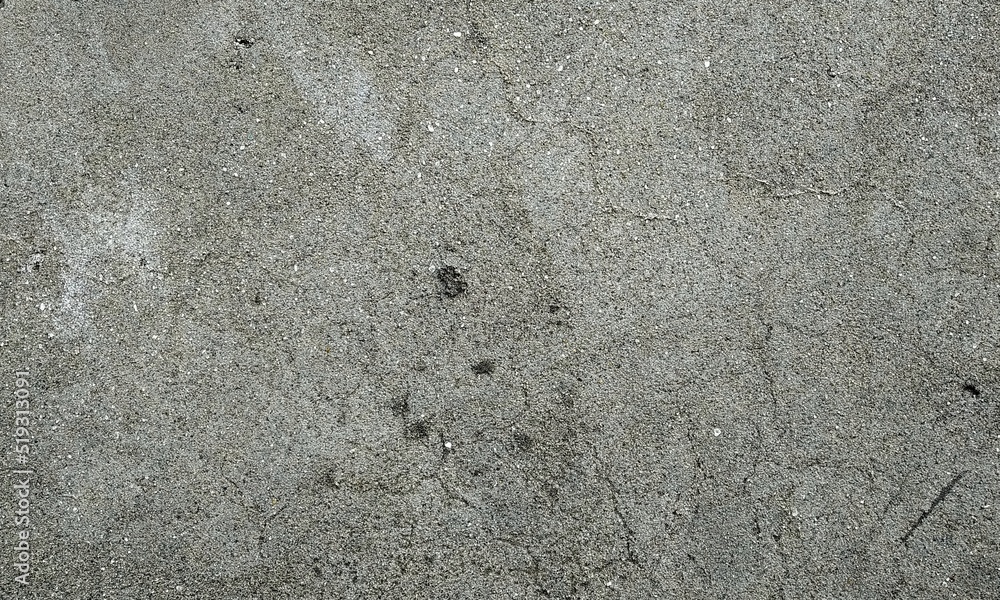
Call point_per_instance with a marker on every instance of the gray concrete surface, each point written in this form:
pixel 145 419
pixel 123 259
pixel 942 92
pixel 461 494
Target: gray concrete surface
pixel 502 300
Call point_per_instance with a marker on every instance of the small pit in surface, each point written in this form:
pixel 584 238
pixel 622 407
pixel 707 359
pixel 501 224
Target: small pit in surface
pixel 484 367
pixel 452 281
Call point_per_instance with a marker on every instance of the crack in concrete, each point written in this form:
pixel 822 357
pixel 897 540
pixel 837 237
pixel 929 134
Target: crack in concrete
pixel 945 491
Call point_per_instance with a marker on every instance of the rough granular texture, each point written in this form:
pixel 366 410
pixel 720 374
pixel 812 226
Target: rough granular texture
pixel 690 299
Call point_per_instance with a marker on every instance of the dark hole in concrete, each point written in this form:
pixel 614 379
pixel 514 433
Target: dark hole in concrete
pixel 257 299
pixel 484 367
pixel 452 280
pixel 243 41
pixel 523 441
pixel 971 388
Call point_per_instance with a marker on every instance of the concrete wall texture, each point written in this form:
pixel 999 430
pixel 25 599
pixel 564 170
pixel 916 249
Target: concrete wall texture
pixel 538 299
